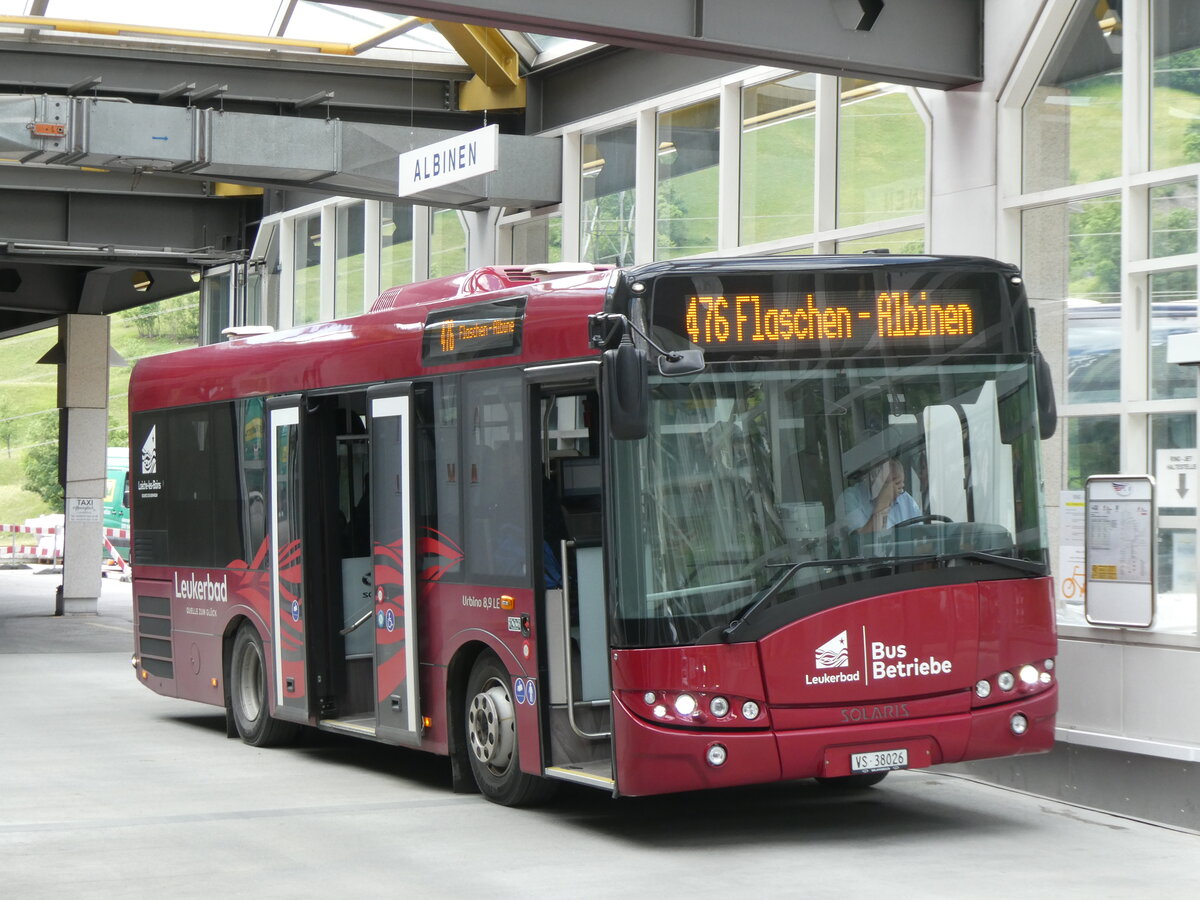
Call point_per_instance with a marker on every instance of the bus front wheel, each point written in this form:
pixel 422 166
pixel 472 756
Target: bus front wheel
pixel 248 697
pixel 491 737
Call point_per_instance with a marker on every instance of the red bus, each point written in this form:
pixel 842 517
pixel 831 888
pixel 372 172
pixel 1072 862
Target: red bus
pixel 678 526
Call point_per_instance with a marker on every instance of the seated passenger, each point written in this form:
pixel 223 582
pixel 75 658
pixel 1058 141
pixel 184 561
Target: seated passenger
pixel 878 502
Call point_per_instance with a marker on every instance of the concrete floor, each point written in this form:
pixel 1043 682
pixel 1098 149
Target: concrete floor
pixel 108 790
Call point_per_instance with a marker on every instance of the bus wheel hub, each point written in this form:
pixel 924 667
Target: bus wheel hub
pixel 491 727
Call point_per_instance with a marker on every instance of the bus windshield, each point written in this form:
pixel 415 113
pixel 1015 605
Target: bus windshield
pixel 836 473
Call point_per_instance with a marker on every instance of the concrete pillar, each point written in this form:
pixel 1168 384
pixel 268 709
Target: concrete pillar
pixel 481 236
pixel 83 397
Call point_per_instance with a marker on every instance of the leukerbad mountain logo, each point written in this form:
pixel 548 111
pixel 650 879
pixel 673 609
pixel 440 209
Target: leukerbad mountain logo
pixel 834 653
pixel 150 452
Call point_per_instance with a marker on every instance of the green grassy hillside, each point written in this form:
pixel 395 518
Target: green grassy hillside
pixel 29 390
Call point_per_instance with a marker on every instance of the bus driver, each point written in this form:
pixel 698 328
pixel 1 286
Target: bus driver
pixel 879 501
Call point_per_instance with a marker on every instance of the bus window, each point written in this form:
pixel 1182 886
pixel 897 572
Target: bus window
pixel 494 496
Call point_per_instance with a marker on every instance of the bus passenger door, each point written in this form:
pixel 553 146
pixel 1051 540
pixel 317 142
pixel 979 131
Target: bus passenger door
pixel 575 620
pixel 394 564
pixel 288 613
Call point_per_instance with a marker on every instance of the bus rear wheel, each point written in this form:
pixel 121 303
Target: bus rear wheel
pixel 248 697
pixel 490 720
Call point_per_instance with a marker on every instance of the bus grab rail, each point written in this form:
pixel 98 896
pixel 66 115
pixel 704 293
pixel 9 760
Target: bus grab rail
pixel 565 547
pixel 349 628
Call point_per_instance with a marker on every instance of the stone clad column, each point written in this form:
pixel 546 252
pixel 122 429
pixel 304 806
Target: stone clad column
pixel 83 440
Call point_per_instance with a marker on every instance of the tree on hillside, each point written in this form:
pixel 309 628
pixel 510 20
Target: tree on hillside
pixel 175 317
pixel 8 425
pixel 41 461
pixel 1095 250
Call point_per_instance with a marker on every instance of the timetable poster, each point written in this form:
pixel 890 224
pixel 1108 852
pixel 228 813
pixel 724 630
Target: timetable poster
pixel 1119 550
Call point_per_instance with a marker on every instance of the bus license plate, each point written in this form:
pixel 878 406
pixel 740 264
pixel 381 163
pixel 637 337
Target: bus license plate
pixel 879 760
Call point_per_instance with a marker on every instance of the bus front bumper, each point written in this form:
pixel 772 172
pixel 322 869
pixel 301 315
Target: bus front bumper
pixel 656 760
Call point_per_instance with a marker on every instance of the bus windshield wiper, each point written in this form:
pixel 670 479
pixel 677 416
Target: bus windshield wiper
pixel 1021 565
pixel 790 569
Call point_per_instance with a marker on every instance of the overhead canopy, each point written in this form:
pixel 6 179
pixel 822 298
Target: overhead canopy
pixel 148 107
pixel 932 43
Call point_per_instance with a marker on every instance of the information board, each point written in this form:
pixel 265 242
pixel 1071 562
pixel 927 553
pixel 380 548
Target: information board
pixel 1119 550
pixel 468 333
pixel 794 313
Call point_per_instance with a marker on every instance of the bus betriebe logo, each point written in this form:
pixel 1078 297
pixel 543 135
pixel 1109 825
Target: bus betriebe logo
pixel 834 653
pixel 150 452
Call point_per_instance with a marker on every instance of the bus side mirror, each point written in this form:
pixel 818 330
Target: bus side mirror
pixel 1047 408
pixel 626 391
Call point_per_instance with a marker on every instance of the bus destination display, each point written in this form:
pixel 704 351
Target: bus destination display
pixel 473 332
pixel 741 321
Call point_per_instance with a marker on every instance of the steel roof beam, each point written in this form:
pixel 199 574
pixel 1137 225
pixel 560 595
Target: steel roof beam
pixel 422 95
pixel 930 43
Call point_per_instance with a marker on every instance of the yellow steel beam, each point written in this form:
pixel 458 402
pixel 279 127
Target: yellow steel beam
pixel 225 189
pixel 497 83
pixel 114 29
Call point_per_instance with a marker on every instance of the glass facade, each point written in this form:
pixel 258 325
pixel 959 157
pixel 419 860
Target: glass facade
pixel 607 196
pixel 881 154
pixel 686 166
pixel 1172 311
pixel 1092 449
pixel 395 244
pixel 447 243
pixel 348 263
pixel 1176 545
pixel 306 284
pixel 1175 87
pixel 536 241
pixel 1073 118
pixel 1072 260
pixel 1173 219
pixel 779 133
pixel 1110 266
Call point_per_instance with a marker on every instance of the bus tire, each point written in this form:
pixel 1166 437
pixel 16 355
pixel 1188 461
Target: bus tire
pixel 853 782
pixel 490 722
pixel 248 696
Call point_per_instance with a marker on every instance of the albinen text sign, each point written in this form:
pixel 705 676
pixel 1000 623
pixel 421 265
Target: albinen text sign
pixel 446 162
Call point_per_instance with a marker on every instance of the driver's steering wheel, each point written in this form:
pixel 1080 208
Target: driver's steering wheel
pixel 928 517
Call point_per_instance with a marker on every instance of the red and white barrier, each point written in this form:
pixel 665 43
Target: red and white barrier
pixel 115 556
pixel 28 529
pixel 25 554
pixel 48 550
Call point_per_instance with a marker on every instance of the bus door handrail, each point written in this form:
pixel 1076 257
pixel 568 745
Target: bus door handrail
pixel 565 547
pixel 349 628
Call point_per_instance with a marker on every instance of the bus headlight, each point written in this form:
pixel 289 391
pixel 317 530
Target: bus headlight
pixel 694 709
pixel 1030 678
pixel 1019 724
pixel 685 704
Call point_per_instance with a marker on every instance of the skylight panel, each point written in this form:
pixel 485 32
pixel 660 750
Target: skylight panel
pixel 251 17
